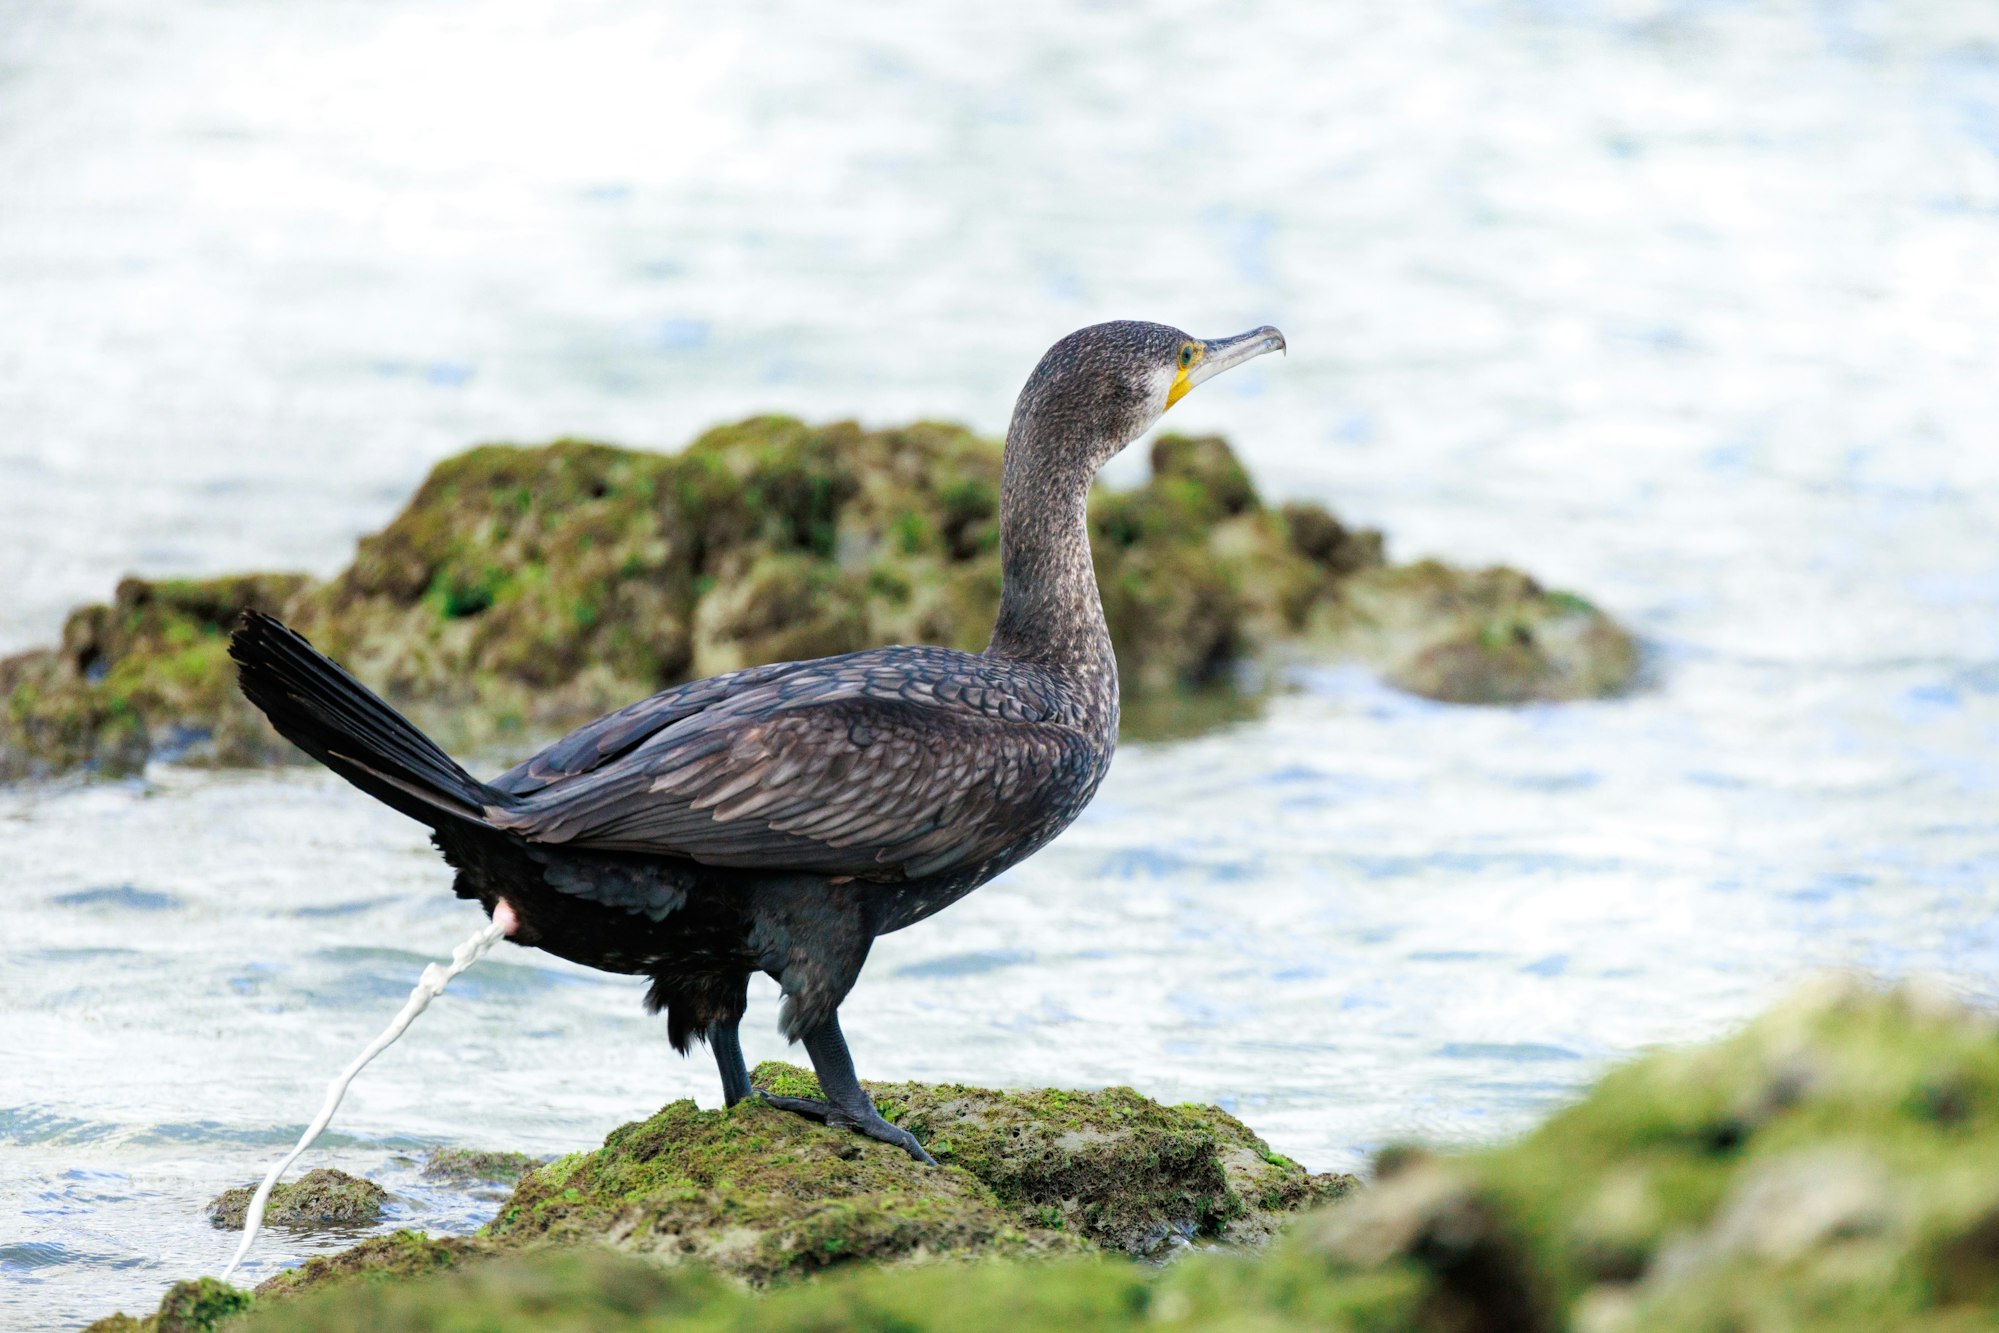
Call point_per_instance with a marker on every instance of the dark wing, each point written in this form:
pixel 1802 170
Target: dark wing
pixel 595 744
pixel 839 782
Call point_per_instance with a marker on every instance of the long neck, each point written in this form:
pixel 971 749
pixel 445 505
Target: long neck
pixel 1049 608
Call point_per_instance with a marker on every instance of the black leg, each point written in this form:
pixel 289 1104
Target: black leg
pixel 728 1049
pixel 847 1104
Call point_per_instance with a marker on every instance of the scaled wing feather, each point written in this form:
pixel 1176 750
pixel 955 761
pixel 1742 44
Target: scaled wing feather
pixel 789 774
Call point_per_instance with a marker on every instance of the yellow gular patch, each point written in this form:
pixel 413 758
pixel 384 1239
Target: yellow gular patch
pixel 1189 358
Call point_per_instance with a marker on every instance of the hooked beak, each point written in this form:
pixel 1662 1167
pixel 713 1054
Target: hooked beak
pixel 1212 358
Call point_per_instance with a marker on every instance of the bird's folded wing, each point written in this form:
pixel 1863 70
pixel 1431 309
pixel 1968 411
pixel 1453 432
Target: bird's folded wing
pixel 597 743
pixel 856 785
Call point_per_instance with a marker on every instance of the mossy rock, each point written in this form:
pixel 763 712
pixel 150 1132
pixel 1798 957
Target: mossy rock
pixel 321 1199
pixel 471 1166
pixel 1490 636
pixel 197 1306
pixel 1109 1165
pixel 147 675
pixel 523 590
pixel 765 1197
pixel 396 1257
pixel 596 1289
pixel 581 1289
pixel 762 1195
pixel 1834 1168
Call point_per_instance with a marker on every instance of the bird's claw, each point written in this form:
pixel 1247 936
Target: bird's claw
pixel 872 1124
pixel 877 1128
pixel 805 1106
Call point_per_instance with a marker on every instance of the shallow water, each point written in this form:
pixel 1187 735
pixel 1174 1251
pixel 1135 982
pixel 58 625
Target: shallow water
pixel 1692 307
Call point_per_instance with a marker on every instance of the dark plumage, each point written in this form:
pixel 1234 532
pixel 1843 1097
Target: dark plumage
pixel 777 819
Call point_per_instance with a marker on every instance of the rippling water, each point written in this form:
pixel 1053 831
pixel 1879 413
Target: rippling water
pixel 1691 306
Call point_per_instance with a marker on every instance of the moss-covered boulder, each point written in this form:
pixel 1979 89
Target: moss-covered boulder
pixel 760 1194
pixel 765 1197
pixel 197 1306
pixel 1489 636
pixel 1832 1169
pixel 1837 1163
pixel 146 675
pixel 523 590
pixel 1108 1165
pixel 322 1199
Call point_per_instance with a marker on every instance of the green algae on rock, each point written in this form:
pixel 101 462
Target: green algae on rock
pixel 583 1289
pixel 472 1166
pixel 197 1306
pixel 396 1257
pixel 523 590
pixel 1834 1168
pixel 321 1199
pixel 1490 636
pixel 146 675
pixel 764 1197
pixel 1108 1165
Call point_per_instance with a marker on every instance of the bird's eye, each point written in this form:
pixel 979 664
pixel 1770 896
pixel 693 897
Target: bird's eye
pixel 1186 355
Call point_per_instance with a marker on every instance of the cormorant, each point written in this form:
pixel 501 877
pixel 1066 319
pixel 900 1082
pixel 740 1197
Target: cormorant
pixel 779 818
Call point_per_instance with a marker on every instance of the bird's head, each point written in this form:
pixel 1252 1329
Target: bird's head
pixel 1102 387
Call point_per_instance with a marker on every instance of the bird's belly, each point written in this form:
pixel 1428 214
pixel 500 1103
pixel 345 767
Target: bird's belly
pixel 700 934
pixel 912 902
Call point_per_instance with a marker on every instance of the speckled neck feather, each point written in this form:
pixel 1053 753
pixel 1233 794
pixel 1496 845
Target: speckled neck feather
pixel 1050 611
pixel 1082 404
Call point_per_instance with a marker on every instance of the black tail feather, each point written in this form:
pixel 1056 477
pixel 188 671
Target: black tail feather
pixel 343 724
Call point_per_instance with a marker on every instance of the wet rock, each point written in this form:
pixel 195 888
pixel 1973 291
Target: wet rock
pixel 197 1306
pixel 1830 1168
pixel 764 1197
pixel 1314 533
pixel 1436 1220
pixel 400 1256
pixel 523 590
pixel 1107 1165
pixel 322 1199
pixel 1491 636
pixel 143 676
pixel 1206 471
pixel 467 1166
pixel 578 1289
pixel 1796 1176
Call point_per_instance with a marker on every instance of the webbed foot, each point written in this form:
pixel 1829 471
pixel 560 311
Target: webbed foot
pixel 805 1106
pixel 864 1118
pixel 875 1127
pixel 847 1104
